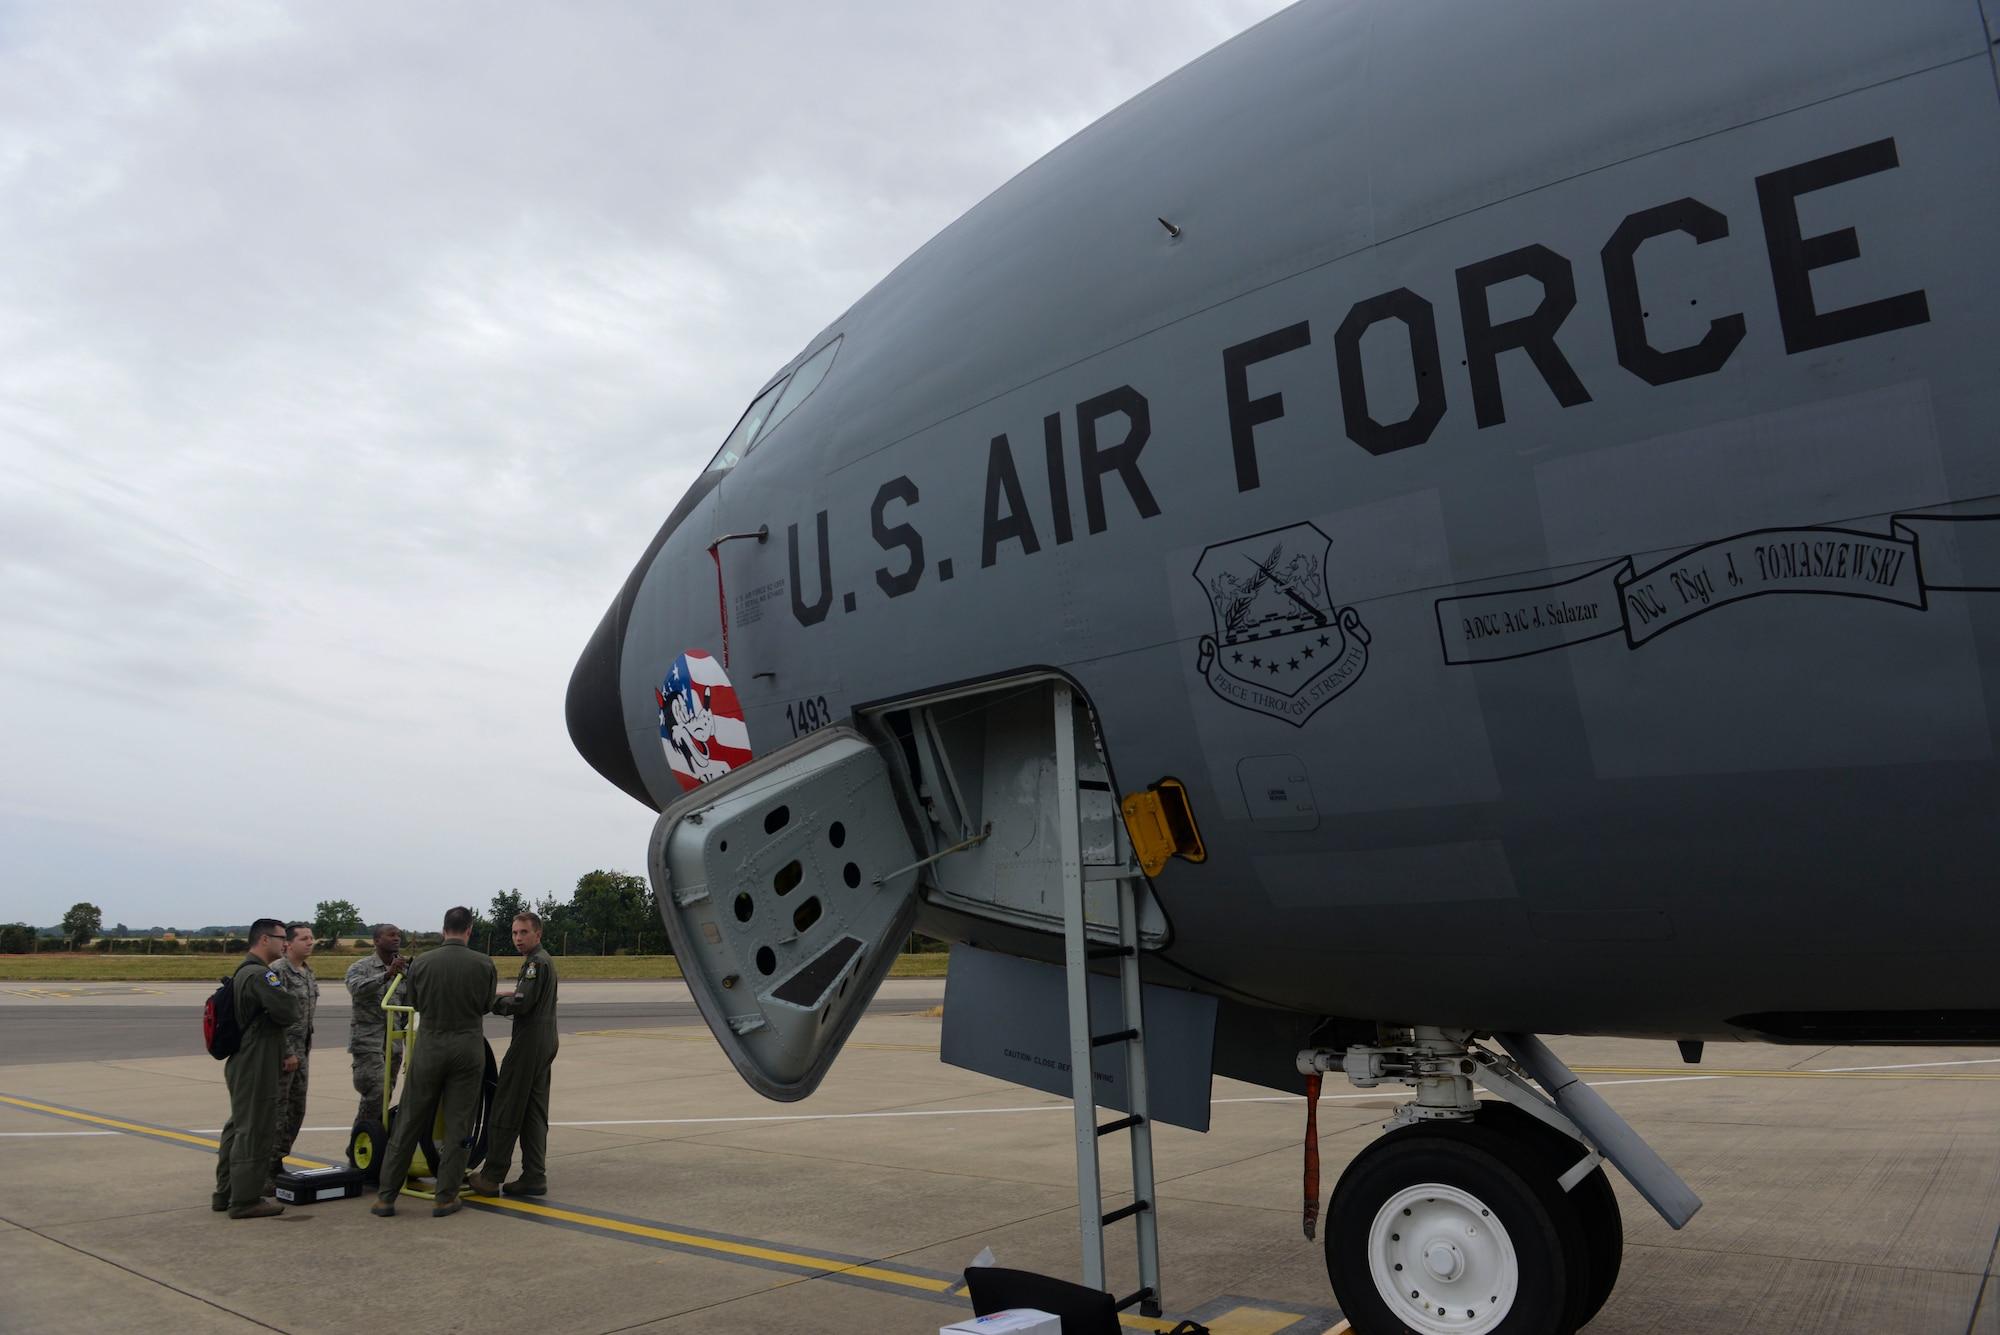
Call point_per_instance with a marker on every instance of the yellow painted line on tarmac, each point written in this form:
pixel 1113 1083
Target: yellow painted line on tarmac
pixel 1251 1321
pixel 697 1034
pixel 753 1251
pixel 536 1210
pixel 1700 1072
pixel 531 1209
pixel 136 1128
pixel 760 1252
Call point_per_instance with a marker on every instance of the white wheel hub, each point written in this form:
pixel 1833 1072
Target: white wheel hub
pixel 1442 1261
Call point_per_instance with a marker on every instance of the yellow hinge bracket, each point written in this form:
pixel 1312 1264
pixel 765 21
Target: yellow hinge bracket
pixel 1161 824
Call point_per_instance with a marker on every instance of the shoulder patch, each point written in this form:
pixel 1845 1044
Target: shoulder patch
pixel 271 977
pixel 528 972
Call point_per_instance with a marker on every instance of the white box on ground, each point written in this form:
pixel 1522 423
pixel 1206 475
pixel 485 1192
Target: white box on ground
pixel 1013 1321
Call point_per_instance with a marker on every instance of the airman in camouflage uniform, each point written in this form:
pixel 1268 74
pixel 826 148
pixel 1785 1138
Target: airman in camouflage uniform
pixel 263 1010
pixel 368 1029
pixel 297 976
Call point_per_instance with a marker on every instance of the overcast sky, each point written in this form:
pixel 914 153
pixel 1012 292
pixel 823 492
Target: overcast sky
pixel 351 353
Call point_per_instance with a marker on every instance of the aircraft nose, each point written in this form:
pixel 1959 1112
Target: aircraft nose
pixel 595 710
pixel 595 705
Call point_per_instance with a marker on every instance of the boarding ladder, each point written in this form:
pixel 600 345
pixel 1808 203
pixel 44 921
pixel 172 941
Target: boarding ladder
pixel 1084 1040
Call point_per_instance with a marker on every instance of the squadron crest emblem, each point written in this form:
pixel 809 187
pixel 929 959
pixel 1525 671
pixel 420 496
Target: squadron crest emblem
pixel 1280 645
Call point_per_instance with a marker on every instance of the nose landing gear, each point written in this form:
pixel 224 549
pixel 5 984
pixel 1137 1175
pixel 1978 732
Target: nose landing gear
pixel 1482 1217
pixel 1453 1228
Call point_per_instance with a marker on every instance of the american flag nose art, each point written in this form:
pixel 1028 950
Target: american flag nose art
pixel 701 722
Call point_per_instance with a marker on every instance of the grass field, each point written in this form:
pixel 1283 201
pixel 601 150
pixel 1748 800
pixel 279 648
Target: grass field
pixel 196 968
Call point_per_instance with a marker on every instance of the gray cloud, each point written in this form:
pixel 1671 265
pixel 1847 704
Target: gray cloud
pixel 350 354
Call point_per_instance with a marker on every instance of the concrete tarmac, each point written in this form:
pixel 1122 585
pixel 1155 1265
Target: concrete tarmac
pixel 111 1021
pixel 1847 1190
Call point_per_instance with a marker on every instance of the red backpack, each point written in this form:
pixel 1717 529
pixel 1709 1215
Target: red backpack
pixel 219 1029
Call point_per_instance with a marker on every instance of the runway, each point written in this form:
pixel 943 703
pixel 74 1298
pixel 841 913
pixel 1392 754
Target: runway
pixel 1847 1190
pixel 53 1022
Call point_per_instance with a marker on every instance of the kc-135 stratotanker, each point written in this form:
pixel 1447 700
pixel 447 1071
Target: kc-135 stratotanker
pixel 1430 526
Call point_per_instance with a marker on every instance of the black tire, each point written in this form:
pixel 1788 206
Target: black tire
pixel 1604 1235
pixel 366 1144
pixel 427 1139
pixel 1596 1205
pixel 1508 1181
pixel 432 1148
pixel 489 1085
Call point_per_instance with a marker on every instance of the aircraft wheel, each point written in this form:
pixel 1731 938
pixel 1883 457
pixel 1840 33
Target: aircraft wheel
pixel 366 1145
pixel 1596 1205
pixel 1451 1228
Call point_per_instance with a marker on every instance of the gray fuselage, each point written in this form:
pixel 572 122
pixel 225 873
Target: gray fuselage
pixel 1586 419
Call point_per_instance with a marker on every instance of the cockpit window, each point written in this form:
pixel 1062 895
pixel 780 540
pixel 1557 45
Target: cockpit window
pixel 738 444
pixel 804 381
pixel 773 406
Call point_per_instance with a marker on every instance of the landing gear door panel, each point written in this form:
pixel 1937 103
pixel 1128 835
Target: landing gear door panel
pixel 787 886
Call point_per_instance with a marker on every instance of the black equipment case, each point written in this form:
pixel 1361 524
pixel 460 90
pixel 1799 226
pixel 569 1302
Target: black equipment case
pixel 304 1186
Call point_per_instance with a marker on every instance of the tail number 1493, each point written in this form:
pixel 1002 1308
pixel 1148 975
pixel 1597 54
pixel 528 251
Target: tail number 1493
pixel 808 714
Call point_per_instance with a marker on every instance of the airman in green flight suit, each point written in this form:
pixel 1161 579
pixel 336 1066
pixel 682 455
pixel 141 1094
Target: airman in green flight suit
pixel 263 1010
pixel 521 1104
pixel 452 988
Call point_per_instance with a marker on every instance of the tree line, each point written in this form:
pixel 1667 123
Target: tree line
pixel 608 913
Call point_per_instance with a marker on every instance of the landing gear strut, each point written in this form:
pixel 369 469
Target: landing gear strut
pixel 1482 1217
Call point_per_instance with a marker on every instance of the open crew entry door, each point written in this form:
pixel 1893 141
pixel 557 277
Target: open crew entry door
pixel 981 764
pixel 787 887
